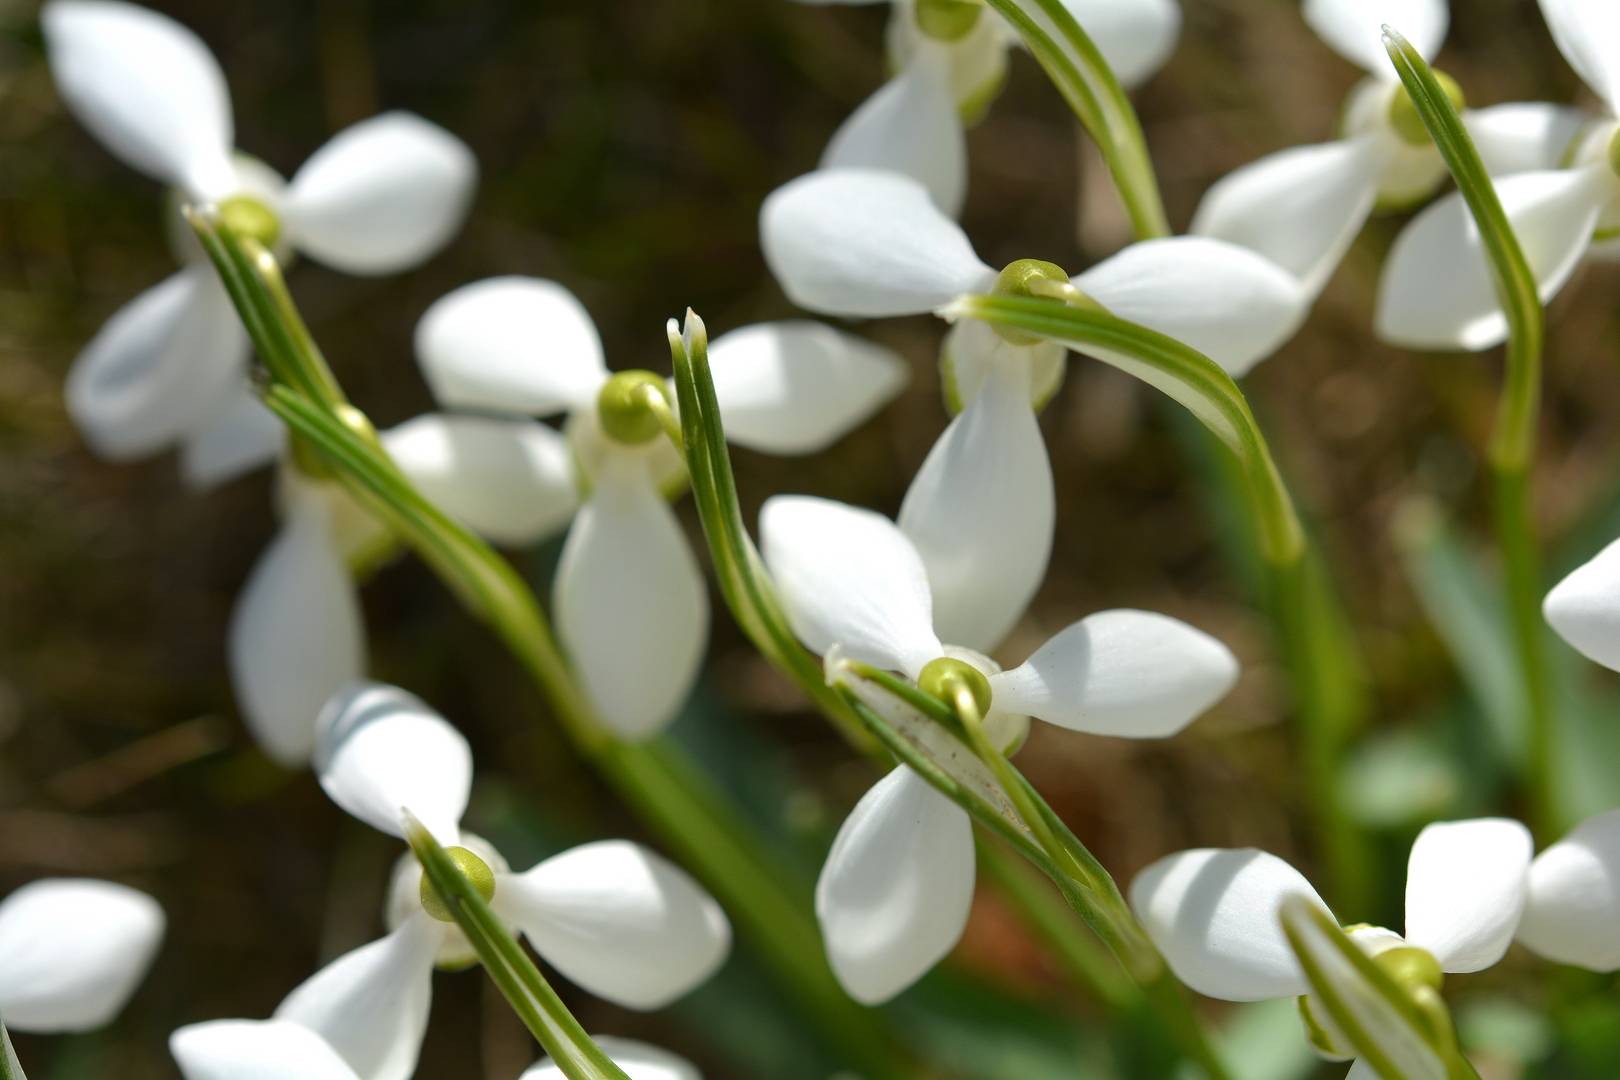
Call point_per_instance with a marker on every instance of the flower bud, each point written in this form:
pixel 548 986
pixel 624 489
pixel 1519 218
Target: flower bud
pixel 1405 118
pixel 472 868
pixel 623 409
pixel 947 20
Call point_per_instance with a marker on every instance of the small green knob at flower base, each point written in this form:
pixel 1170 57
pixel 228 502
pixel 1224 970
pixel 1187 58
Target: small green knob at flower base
pixel 472 868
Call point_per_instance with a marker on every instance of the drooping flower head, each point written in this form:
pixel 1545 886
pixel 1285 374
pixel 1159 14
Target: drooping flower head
pixel 894 894
pixel 613 917
pixel 950 60
pixel 630 604
pixel 1214 914
pixel 1303 206
pixel 170 367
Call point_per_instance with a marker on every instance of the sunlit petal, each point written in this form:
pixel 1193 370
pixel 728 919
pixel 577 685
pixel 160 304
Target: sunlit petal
pixel 1465 888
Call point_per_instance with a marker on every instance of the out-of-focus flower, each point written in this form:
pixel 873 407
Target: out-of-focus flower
pixel 296 634
pixel 1584 608
pixel 630 603
pixel 865 243
pixel 1303 206
pixel 1572 915
pixel 170 367
pixel 894 894
pixel 1214 914
pixel 620 921
pixel 1437 291
pixel 950 60
pixel 638 1060
pixel 72 951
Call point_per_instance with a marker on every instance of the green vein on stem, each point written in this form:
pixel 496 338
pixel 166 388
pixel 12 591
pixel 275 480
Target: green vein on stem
pixel 519 980
pixel 668 793
pixel 1511 452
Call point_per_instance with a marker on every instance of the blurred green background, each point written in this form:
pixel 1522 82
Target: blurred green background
pixel 625 150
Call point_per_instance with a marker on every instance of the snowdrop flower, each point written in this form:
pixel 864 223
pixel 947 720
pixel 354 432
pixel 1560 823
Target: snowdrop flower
pixel 894 894
pixel 1436 292
pixel 170 367
pixel 620 921
pixel 950 57
pixel 630 603
pixel 1572 915
pixel 863 243
pixel 638 1060
pixel 72 951
pixel 1303 206
pixel 296 634
pixel 1213 913
pixel 281 1050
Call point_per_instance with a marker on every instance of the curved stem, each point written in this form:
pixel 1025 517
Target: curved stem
pixel 1511 452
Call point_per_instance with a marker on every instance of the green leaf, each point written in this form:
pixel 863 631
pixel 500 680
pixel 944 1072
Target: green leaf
pixel 530 996
pixel 10 1069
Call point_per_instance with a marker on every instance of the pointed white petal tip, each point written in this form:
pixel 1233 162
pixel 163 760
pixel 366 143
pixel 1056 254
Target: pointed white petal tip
pixel 1573 913
pixel 1136 674
pixel 380 750
pixel 73 951
pixel 897 887
pixel 1214 914
pixel 1466 884
pixel 1584 608
pixel 621 921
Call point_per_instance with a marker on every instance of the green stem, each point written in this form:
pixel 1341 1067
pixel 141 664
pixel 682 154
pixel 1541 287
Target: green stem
pixel 1511 452
pixel 671 796
pixel 520 982
pixel 1077 68
pixel 10 1069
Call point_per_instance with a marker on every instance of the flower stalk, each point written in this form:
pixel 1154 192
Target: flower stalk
pixel 666 790
pixel 519 980
pixel 1077 68
pixel 1511 451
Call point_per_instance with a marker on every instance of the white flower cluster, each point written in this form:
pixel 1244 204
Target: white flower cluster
pixel 871 233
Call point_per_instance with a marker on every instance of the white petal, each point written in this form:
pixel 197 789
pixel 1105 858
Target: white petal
pixel 255 1050
pixel 243 436
pixel 638 1060
pixel 796 387
pixel 1354 28
pixel 159 368
pixel 295 637
pixel 1436 291
pixel 910 127
pixel 1584 608
pixel 512 344
pixel 382 195
pixel 147 87
pixel 72 951
pixel 621 921
pixel 1523 136
pixel 1573 914
pixel 380 751
pixel 1229 303
pixel 1465 888
pixel 863 242
pixel 1136 37
pixel 981 511
pixel 1588 34
pixel 849 577
pixel 1214 914
pixel 1135 674
pixel 371 1004
pixel 632 610
pixel 1299 207
pixel 511 481
pixel 894 895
